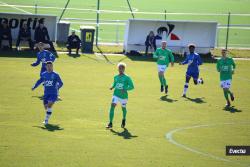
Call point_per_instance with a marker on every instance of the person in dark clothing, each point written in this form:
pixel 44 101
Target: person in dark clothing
pixel 5 34
pixel 73 42
pixel 42 35
pixel 150 42
pixel 24 35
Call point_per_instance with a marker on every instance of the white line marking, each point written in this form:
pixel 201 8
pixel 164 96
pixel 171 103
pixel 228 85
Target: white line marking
pixel 13 6
pixel 169 137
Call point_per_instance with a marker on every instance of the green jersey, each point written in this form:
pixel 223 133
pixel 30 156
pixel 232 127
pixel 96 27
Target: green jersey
pixel 164 57
pixel 122 84
pixel 225 66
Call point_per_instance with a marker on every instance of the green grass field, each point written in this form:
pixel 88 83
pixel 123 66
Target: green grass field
pixel 238 37
pixel 77 136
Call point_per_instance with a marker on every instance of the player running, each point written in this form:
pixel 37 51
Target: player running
pixel 164 56
pixel 194 61
pixel 43 56
pixel 122 83
pixel 52 82
pixel 226 67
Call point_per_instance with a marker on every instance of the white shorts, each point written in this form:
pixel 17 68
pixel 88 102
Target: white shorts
pixel 226 84
pixel 116 99
pixel 162 68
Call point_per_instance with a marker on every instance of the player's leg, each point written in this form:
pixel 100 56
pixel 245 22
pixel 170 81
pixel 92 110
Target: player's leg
pixel 50 101
pixel 124 112
pixel 186 85
pixel 161 70
pixel 225 86
pixel 160 75
pixel 112 111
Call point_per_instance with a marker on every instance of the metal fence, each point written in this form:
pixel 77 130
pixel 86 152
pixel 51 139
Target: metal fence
pixel 233 29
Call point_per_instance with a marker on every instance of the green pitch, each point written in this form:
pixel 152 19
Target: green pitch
pixel 238 37
pixel 77 136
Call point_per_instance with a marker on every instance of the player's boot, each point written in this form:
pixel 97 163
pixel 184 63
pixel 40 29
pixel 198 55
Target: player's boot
pixel 109 126
pixel 184 95
pixel 166 89
pixel 162 88
pixel 202 81
pixel 232 96
pixel 123 123
pixel 228 104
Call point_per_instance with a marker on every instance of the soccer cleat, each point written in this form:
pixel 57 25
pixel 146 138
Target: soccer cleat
pixel 202 81
pixel 232 96
pixel 166 89
pixel 110 125
pixel 228 104
pixel 162 88
pixel 184 95
pixel 45 122
pixel 123 123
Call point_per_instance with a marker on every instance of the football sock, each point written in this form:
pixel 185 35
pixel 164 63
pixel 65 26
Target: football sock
pixel 48 114
pixel 164 81
pixel 226 94
pixel 124 112
pixel 160 78
pixel 111 113
pixel 185 88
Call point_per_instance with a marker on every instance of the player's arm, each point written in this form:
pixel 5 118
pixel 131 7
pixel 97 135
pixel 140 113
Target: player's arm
pixel 234 65
pixel 156 54
pixel 113 85
pixel 199 60
pixel 130 85
pixel 172 59
pixel 52 57
pixel 37 83
pixel 59 81
pixel 218 66
pixel 185 61
pixel 38 60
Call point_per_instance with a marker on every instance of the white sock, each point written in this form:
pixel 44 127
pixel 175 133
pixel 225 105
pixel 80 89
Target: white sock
pixel 48 114
pixel 185 88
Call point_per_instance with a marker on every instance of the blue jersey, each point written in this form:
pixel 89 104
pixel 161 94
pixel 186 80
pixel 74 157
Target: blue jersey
pixel 193 60
pixel 43 57
pixel 51 81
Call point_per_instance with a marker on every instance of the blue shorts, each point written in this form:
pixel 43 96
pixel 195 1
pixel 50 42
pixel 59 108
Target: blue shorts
pixel 194 75
pixel 49 98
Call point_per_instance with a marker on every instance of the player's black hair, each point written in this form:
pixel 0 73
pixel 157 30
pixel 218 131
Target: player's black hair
pixel 49 62
pixel 191 46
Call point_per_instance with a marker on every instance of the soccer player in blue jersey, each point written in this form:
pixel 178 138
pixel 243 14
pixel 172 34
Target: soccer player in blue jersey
pixel 52 82
pixel 194 61
pixel 43 56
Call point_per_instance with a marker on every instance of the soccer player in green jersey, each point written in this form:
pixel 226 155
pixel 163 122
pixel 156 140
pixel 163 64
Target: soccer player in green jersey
pixel 164 56
pixel 226 67
pixel 121 85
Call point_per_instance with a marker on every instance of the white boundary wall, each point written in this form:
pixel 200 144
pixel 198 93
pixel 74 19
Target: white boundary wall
pixel 15 21
pixel 203 34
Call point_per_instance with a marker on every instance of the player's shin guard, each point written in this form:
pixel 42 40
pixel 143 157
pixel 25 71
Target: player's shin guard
pixel 111 113
pixel 48 114
pixel 185 88
pixel 124 112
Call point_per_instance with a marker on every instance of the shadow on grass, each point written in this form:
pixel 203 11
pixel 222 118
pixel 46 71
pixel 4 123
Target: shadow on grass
pixel 165 98
pixel 104 56
pixel 198 100
pixel 39 97
pixel 22 54
pixel 50 127
pixel 74 55
pixel 232 109
pixel 125 134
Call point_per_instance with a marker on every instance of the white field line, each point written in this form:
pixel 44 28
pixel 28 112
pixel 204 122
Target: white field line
pixel 169 137
pixel 13 6
pixel 136 12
